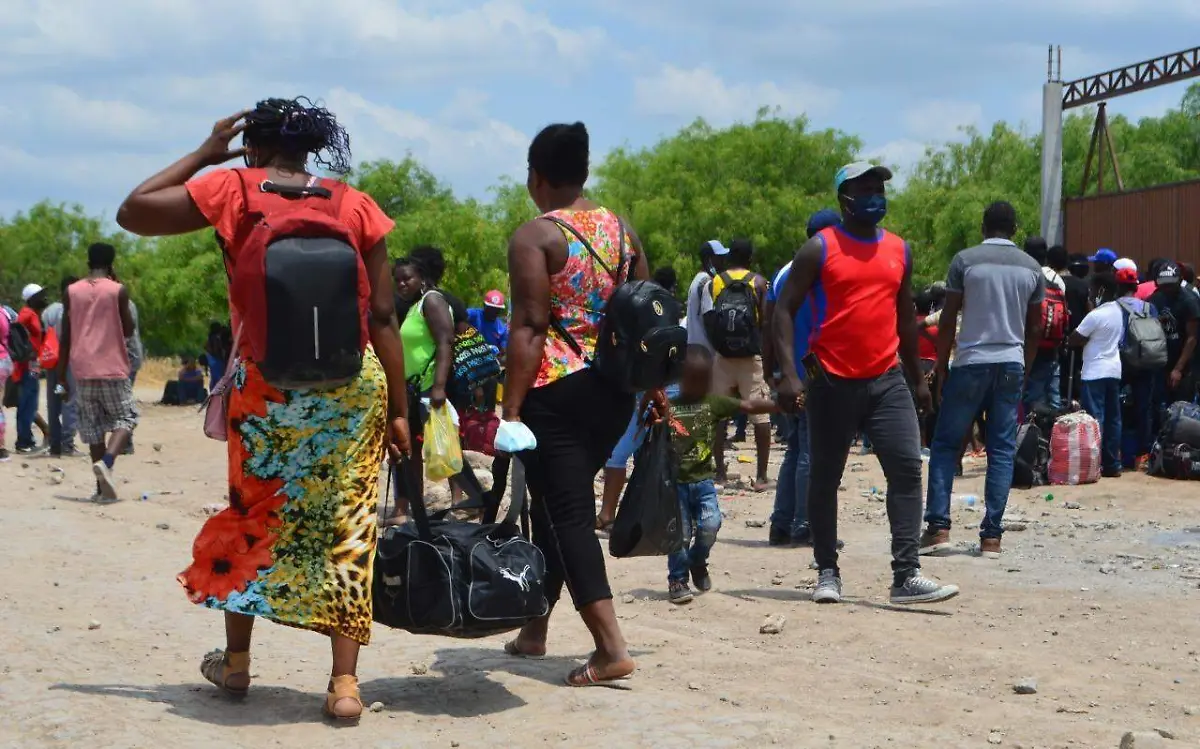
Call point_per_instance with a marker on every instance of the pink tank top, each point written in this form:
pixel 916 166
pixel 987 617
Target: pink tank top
pixel 97 337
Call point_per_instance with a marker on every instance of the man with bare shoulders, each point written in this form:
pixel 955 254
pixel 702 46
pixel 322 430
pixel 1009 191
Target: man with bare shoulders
pixel 859 279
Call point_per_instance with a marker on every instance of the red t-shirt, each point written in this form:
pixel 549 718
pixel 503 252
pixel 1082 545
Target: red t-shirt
pixel 860 281
pixel 32 323
pixel 218 195
pixel 926 340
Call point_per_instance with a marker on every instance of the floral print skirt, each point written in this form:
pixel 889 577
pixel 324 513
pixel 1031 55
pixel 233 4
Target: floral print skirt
pixel 297 543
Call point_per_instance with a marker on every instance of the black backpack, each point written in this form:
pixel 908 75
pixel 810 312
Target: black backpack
pixel 641 345
pixel 732 323
pixel 20 345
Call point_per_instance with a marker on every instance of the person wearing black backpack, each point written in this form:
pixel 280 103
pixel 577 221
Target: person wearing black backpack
pixel 735 327
pixel 564 408
pixel 307 430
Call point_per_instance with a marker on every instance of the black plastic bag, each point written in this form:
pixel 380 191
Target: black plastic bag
pixel 648 523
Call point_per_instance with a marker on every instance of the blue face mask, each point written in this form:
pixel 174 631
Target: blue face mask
pixel 869 209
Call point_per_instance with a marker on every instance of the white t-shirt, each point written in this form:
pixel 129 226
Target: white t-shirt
pixel 1104 327
pixel 699 301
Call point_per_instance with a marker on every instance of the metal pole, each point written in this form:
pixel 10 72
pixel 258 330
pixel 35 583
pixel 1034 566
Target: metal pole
pixel 1052 96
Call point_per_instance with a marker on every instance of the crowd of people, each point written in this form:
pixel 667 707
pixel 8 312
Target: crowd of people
pixel 835 347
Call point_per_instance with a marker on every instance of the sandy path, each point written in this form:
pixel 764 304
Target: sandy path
pixel 1111 650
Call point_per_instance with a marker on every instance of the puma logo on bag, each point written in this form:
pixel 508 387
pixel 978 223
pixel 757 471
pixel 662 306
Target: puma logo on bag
pixel 520 580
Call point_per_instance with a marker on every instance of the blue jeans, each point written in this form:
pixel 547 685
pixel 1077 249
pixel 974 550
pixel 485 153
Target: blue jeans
pixel 634 435
pixel 61 416
pixel 791 493
pixel 701 517
pixel 995 388
pixel 1102 400
pixel 27 406
pixel 1044 382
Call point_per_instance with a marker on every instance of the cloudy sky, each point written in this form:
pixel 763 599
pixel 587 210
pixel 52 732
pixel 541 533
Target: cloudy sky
pixel 94 96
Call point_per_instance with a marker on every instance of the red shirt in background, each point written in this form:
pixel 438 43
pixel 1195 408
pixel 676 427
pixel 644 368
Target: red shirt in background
pixel 926 340
pixel 1145 290
pixel 32 322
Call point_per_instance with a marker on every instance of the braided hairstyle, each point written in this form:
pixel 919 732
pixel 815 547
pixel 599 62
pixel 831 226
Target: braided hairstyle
pixel 296 128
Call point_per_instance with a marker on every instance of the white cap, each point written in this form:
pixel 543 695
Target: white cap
pixel 717 248
pixel 1125 264
pixel 30 291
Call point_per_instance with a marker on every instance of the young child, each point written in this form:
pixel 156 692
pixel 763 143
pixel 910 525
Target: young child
pixel 695 415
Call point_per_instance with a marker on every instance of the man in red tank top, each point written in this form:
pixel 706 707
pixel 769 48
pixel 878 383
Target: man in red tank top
pixel 860 278
pixel 96 322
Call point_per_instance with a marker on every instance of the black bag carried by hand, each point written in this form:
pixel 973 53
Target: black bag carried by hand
pixel 649 522
pixel 641 345
pixel 435 576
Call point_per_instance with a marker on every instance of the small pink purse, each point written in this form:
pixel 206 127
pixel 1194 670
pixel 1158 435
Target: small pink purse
pixel 216 405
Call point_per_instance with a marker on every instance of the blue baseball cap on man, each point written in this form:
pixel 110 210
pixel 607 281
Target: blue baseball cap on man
pixel 1106 256
pixel 860 169
pixel 822 219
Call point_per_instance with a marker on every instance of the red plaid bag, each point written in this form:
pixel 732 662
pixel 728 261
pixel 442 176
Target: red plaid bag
pixel 1075 450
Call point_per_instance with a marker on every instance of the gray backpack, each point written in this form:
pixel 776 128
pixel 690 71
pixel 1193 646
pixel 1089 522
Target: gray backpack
pixel 1144 346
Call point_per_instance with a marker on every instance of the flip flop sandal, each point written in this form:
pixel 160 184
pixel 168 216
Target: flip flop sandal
pixel 586 676
pixel 219 665
pixel 343 688
pixel 510 648
pixel 604 530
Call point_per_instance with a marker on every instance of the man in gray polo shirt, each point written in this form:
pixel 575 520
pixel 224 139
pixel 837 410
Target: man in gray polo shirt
pixel 999 290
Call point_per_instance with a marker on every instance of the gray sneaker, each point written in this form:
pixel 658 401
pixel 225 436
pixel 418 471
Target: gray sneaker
pixel 829 588
pixel 920 589
pixel 679 593
pixel 105 480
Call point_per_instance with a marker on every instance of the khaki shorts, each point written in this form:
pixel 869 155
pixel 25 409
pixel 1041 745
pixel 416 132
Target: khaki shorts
pixel 742 378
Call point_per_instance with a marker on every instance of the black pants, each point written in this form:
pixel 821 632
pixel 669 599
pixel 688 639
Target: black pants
pixel 882 408
pixel 577 421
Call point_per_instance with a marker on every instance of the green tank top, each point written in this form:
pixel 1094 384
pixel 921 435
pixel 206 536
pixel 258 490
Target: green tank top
pixel 420 349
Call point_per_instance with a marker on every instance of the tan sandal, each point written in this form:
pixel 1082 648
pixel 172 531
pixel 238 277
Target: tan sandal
pixel 218 666
pixel 343 688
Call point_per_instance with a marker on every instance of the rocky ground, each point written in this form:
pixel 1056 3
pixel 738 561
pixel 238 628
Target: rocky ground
pixel 1085 630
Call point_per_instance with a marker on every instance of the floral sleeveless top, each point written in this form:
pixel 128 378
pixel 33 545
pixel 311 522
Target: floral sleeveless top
pixel 578 291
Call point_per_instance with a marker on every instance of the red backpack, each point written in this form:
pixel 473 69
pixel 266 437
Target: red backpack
pixel 299 283
pixel 1054 318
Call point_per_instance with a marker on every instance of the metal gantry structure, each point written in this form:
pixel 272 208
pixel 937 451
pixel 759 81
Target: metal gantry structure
pixel 1095 89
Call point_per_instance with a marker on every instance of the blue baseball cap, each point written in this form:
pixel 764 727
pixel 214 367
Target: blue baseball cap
pixel 822 219
pixel 1104 256
pixel 859 169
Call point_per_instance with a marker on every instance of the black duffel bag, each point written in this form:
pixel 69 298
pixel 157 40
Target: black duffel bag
pixel 1181 425
pixel 437 576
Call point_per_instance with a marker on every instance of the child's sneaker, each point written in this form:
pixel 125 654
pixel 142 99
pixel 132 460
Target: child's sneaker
pixel 679 593
pixel 701 579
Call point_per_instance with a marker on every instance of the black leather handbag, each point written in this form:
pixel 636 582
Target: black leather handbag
pixel 440 576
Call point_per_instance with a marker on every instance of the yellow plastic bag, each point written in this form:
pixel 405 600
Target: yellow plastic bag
pixel 442 451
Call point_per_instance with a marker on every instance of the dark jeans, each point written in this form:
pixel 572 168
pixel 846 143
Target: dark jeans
pixel 996 389
pixel 1146 405
pixel 1044 382
pixel 27 406
pixel 791 492
pixel 60 415
pixel 882 408
pixel 577 421
pixel 1102 400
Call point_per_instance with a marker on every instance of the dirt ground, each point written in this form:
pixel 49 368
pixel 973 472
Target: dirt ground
pixel 1096 600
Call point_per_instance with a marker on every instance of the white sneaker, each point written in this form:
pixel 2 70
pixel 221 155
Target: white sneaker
pixel 829 588
pixel 920 589
pixel 108 484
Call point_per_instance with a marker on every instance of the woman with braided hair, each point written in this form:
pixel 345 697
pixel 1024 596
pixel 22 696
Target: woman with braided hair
pixel 297 542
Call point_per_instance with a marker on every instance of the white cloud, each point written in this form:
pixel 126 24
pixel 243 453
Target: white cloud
pixel 700 92
pixel 938 120
pixel 901 155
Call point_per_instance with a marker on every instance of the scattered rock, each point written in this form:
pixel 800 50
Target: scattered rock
pixel 995 738
pixel 773 624
pixel 1108 569
pixel 377 707
pixel 1165 733
pixel 163 526
pixel 1073 506
pixel 777 581
pixel 212 509
pixel 454 745
pixel 858 467
pixel 1191 710
pixel 157 447
pixel 756 523
pixel 1014 526
pixel 1026 686
pixel 695 687
pixel 628 598
pixel 93 624
pixel 1142 740
pixel 420 669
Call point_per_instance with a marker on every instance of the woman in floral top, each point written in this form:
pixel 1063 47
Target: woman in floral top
pixel 559 289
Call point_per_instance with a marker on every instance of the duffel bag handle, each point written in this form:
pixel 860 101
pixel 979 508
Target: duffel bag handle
pixel 416 498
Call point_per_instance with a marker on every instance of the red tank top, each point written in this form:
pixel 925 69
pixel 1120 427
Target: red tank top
pixel 860 280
